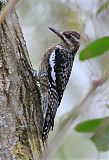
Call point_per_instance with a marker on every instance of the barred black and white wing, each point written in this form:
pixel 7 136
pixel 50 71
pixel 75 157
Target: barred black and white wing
pixel 54 74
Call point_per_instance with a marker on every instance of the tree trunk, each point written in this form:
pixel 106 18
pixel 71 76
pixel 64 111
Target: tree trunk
pixel 21 115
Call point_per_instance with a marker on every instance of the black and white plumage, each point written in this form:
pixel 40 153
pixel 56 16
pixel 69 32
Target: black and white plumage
pixel 54 73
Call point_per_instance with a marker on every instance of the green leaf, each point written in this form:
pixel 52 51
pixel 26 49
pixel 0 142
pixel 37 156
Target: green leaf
pixel 96 48
pixel 101 136
pixel 88 126
pixel 103 7
pixel 100 129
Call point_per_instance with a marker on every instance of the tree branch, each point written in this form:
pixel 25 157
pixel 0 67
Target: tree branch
pixel 21 115
pixel 5 11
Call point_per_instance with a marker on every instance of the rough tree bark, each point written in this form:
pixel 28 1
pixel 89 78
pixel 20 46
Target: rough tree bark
pixel 21 115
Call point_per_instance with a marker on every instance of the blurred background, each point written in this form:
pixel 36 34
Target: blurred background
pixel 80 15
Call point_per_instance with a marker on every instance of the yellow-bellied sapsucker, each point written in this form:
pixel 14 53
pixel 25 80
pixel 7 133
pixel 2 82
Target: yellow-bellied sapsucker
pixel 54 73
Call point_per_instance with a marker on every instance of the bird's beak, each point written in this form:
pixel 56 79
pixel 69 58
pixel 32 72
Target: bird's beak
pixel 56 32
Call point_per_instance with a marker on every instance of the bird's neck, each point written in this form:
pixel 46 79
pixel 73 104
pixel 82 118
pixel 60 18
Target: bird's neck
pixel 69 47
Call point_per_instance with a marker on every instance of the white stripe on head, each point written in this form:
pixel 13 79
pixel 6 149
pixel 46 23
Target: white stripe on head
pixel 75 38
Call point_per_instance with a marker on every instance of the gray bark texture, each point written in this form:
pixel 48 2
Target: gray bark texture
pixel 21 115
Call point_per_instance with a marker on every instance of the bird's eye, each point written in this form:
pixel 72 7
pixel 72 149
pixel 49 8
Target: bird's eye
pixel 68 35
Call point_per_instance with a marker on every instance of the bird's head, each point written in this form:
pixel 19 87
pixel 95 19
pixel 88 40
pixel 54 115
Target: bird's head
pixel 71 38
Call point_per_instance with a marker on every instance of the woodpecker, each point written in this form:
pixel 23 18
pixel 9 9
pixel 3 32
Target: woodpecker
pixel 54 73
